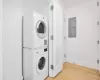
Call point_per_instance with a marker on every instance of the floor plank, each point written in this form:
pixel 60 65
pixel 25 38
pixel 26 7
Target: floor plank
pixel 76 72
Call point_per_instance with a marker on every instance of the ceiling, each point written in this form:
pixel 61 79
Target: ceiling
pixel 70 3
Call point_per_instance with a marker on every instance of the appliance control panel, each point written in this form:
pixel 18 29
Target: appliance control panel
pixel 45 50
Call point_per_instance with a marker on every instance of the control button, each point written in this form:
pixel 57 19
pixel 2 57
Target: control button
pixel 45 49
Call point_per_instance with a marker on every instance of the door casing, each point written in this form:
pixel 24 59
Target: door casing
pixel 55 39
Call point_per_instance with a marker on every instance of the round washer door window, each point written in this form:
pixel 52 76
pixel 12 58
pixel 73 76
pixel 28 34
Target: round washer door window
pixel 41 29
pixel 41 63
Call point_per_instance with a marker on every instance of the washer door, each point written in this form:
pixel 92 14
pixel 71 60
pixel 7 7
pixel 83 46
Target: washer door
pixel 41 29
pixel 41 63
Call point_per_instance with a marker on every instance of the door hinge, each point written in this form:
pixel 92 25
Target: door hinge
pixel 98 42
pixel 98 61
pixel 52 67
pixel 98 3
pixel 51 7
pixel 98 23
pixel 52 37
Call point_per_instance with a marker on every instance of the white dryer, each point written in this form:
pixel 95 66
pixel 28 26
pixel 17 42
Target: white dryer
pixel 40 30
pixel 35 31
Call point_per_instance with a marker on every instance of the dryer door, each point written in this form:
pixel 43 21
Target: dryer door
pixel 41 29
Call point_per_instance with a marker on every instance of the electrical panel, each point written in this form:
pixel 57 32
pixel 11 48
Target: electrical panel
pixel 72 27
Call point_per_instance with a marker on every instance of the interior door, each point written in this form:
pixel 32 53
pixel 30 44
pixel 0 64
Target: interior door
pixel 56 40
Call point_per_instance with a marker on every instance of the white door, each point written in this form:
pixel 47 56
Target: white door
pixel 56 40
pixel 1 56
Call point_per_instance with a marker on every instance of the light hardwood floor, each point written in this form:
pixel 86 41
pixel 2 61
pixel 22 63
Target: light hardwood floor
pixel 76 72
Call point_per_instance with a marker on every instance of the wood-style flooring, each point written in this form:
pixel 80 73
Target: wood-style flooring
pixel 76 72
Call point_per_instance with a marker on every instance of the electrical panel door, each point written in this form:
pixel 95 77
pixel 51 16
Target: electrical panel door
pixel 72 27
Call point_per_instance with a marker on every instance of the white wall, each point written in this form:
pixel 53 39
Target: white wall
pixel 71 3
pixel 12 39
pixel 40 6
pixel 12 45
pixel 1 54
pixel 82 50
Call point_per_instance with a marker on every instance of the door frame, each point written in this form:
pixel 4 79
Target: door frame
pixel 1 52
pixel 50 41
pixel 52 44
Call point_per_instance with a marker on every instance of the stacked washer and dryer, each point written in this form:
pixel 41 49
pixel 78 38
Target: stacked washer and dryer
pixel 35 47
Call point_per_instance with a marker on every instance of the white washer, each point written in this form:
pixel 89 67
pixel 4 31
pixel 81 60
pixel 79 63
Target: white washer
pixel 40 30
pixel 41 65
pixel 35 45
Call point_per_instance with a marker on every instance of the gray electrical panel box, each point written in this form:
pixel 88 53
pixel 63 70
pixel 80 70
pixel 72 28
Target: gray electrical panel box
pixel 72 27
